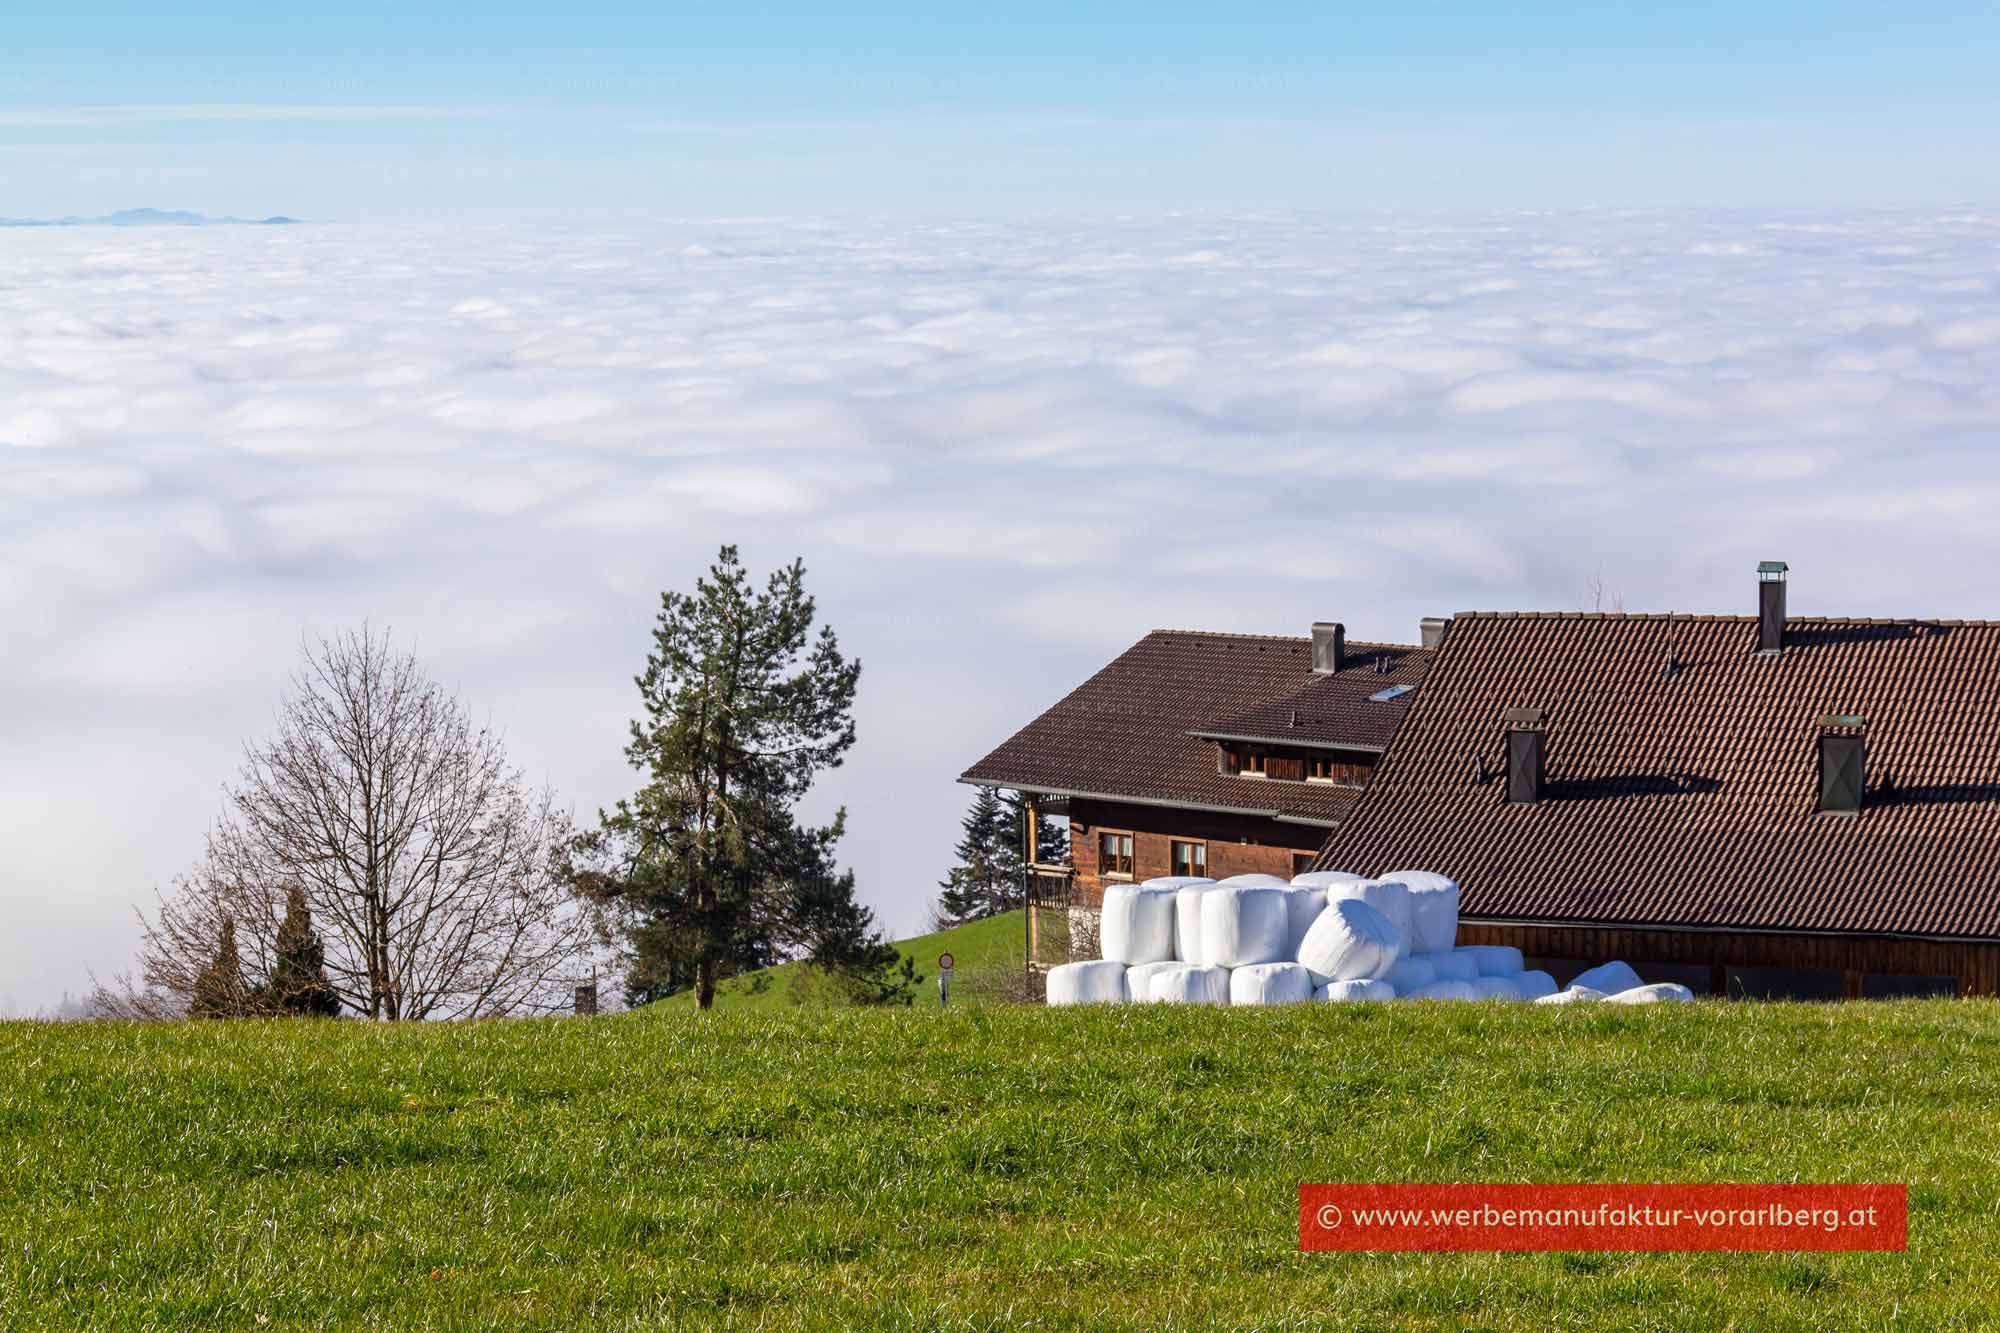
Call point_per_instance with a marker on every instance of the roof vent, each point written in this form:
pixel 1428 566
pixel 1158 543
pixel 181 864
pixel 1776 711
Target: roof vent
pixel 1525 730
pixel 1771 607
pixel 1329 647
pixel 1432 629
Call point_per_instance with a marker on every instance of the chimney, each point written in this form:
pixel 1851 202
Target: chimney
pixel 1843 763
pixel 1526 728
pixel 1771 607
pixel 1432 629
pixel 1329 647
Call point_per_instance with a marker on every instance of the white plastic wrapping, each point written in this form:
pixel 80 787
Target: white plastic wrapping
pixel 1452 965
pixel 1137 924
pixel 1534 985
pixel 1187 921
pixel 1099 981
pixel 1574 995
pixel 1189 984
pixel 1390 897
pixel 1444 990
pixel 1433 907
pixel 1257 882
pixel 1175 881
pixel 1495 960
pixel 1269 983
pixel 1326 879
pixel 1410 974
pixel 1350 941
pixel 1139 979
pixel 1663 991
pixel 1302 908
pixel 1495 988
pixel 1355 990
pixel 1610 978
pixel 1243 925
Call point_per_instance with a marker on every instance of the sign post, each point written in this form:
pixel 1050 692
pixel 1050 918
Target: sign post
pixel 944 979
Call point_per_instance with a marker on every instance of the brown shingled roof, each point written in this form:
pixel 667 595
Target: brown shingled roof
pixel 1687 797
pixel 1125 732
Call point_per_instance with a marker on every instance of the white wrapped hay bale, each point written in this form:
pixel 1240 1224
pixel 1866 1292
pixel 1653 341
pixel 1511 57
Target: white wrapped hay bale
pixel 1187 922
pixel 1534 985
pixel 1452 965
pixel 1350 941
pixel 1176 881
pixel 1302 908
pixel 1390 897
pixel 1610 978
pixel 1494 960
pixel 1257 882
pixel 1574 995
pixel 1669 992
pixel 1189 983
pixel 1136 925
pixel 1326 879
pixel 1241 926
pixel 1410 974
pixel 1270 983
pixel 1099 981
pixel 1355 990
pixel 1139 979
pixel 1433 908
pixel 1444 990
pixel 1495 988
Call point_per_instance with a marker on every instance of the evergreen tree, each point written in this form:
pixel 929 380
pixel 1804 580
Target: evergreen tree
pixel 977 882
pixel 298 982
pixel 744 707
pixel 219 990
pixel 992 858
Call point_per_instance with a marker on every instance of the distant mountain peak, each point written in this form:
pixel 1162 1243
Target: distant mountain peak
pixel 148 217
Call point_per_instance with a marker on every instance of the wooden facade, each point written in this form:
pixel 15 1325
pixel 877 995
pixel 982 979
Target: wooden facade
pixel 1231 844
pixel 1752 963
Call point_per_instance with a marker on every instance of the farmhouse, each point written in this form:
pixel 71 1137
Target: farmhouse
pixel 1204 754
pixel 1749 805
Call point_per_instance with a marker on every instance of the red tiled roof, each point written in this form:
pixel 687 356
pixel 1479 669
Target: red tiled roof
pixel 1688 797
pixel 1125 732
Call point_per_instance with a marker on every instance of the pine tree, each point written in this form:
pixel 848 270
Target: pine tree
pixel 298 972
pixel 219 989
pixel 974 884
pixel 744 707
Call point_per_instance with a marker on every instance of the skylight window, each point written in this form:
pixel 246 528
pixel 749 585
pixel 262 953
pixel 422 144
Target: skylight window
pixel 1393 692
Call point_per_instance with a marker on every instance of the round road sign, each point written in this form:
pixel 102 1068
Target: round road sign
pixel 944 962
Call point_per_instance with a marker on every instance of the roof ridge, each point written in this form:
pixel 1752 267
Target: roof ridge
pixel 1717 617
pixel 1300 640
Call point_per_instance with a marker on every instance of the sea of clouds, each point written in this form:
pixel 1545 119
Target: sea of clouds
pixel 1004 452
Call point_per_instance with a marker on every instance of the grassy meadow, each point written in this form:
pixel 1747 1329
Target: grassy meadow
pixel 990 1166
pixel 986 966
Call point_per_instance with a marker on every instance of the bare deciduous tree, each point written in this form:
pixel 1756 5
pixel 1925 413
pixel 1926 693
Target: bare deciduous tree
pixel 434 875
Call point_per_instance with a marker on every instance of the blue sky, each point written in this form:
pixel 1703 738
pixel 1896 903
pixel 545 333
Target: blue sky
pixel 371 110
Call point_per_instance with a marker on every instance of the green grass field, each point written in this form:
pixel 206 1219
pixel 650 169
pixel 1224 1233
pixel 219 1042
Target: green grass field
pixel 990 1166
pixel 984 953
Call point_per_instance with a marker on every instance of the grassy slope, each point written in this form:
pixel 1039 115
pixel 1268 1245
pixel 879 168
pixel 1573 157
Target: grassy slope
pixel 977 949
pixel 1133 1167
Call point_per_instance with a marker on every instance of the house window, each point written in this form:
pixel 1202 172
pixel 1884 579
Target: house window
pixel 1331 770
pixel 1251 764
pixel 1302 862
pixel 1114 854
pixel 1190 858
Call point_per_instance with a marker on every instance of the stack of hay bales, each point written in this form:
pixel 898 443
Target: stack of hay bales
pixel 1327 936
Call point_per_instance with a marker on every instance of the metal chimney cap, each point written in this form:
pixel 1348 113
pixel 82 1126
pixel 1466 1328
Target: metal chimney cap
pixel 1524 717
pixel 1772 568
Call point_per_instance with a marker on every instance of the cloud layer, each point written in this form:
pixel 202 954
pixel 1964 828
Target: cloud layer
pixel 1003 451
